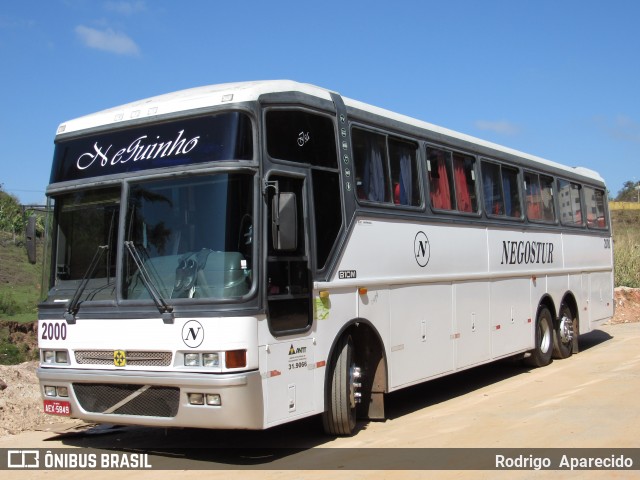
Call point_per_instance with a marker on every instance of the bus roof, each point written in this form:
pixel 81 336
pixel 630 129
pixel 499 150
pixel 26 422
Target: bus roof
pixel 190 99
pixel 229 93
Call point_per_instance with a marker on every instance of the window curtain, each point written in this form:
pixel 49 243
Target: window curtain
pixel 506 188
pixel 487 188
pixel 373 175
pixel 533 200
pixel 463 196
pixel 440 196
pixel 406 183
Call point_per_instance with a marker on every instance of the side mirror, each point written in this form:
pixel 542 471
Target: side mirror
pixel 31 239
pixel 284 221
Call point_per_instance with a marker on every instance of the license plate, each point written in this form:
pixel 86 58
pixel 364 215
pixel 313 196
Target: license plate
pixel 57 407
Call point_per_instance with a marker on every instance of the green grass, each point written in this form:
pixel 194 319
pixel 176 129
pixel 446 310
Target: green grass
pixel 626 247
pixel 19 281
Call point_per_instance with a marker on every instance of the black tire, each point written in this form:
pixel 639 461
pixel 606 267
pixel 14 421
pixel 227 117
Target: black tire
pixel 564 333
pixel 339 417
pixel 541 354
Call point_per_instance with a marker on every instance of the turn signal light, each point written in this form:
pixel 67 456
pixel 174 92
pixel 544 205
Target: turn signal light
pixel 235 358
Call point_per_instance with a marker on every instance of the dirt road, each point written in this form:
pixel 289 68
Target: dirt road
pixel 589 400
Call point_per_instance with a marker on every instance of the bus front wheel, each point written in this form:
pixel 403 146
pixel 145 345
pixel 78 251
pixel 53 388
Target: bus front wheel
pixel 339 417
pixel 541 354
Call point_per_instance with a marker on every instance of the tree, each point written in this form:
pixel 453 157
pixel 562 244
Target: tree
pixel 628 193
pixel 11 217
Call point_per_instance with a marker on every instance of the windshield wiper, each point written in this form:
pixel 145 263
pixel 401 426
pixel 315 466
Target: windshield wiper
pixel 166 310
pixel 74 304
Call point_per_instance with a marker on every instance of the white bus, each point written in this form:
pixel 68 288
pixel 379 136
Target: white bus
pixel 243 255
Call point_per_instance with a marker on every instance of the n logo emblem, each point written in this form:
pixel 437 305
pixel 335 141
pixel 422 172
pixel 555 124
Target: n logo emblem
pixel 192 334
pixel 119 358
pixel 422 249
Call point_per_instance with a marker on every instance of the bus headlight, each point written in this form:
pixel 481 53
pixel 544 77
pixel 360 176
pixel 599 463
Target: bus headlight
pixel 196 398
pixel 53 391
pixel 55 357
pixel 191 359
pixel 210 359
pixel 209 399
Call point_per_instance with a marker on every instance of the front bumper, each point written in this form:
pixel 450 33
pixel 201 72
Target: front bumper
pixel 159 398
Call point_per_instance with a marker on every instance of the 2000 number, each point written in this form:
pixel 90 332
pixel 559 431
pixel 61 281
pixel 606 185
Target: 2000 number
pixel 54 331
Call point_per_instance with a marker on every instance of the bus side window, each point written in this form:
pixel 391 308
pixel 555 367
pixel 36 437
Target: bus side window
pixel 302 137
pixel 404 172
pixel 372 171
pixel 532 188
pixel 452 180
pixel 492 188
pixel 539 197
pixel 548 210
pixel 465 182
pixel 570 205
pixel 500 188
pixel 594 200
pixel 440 187
pixel 511 192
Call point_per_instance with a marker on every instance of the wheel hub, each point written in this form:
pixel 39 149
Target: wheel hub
pixel 566 330
pixel 355 375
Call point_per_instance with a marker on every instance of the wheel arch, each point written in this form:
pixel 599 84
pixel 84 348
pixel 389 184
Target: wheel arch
pixel 570 301
pixel 547 301
pixel 371 357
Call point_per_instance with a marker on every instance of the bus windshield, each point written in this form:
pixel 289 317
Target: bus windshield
pixel 194 238
pixel 87 229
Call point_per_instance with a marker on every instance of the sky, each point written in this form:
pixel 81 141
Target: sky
pixel 559 79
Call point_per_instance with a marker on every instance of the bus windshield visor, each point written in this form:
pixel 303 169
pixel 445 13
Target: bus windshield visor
pixel 221 137
pixel 85 245
pixel 193 236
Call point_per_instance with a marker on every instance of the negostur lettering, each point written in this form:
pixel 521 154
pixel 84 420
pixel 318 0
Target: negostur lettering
pixel 525 253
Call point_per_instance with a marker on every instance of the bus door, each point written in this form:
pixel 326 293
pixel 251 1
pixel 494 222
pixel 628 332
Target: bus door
pixel 288 292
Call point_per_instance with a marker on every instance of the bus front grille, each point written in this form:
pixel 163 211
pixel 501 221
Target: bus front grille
pixel 116 399
pixel 134 359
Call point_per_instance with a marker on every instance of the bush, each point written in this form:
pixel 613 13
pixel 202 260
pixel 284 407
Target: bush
pixel 627 262
pixel 8 304
pixel 11 216
pixel 10 354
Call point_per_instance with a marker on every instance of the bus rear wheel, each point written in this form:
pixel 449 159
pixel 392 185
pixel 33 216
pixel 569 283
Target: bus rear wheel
pixel 541 354
pixel 339 417
pixel 564 333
